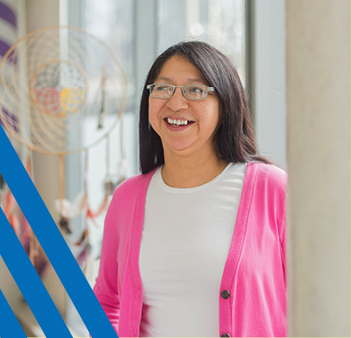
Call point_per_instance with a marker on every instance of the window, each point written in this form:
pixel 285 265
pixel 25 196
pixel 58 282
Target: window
pixel 112 22
pixel 221 23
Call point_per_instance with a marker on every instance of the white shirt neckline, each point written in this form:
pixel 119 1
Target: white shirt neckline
pixel 164 186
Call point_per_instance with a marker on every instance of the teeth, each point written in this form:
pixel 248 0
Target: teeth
pixel 177 122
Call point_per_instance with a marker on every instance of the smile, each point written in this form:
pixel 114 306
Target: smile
pixel 178 123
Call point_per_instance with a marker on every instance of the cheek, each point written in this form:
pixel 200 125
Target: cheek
pixel 154 116
pixel 219 119
pixel 214 118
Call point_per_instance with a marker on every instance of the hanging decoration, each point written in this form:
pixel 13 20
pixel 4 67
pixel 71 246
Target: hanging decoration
pixel 52 81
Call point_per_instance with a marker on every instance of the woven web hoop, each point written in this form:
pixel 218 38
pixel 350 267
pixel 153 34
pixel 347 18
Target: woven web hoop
pixel 53 80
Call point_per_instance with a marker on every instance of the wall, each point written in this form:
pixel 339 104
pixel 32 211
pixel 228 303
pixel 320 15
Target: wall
pixel 318 98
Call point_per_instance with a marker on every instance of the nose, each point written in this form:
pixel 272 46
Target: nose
pixel 177 101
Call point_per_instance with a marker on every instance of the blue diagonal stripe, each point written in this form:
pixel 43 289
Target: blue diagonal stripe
pixel 28 281
pixel 52 242
pixel 10 327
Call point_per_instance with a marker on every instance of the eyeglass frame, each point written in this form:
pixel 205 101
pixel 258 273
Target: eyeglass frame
pixel 209 89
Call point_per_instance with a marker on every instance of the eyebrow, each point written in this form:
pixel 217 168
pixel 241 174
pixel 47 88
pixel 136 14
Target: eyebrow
pixel 191 80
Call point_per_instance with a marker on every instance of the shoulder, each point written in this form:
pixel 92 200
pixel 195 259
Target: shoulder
pixel 269 175
pixel 126 196
pixel 131 187
pixel 268 184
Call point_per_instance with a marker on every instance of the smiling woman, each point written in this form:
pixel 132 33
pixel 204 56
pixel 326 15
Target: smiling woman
pixel 195 245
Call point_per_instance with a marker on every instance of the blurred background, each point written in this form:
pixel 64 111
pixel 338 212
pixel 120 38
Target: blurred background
pixel 293 58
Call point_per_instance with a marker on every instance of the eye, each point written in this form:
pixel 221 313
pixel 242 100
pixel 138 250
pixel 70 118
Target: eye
pixel 196 90
pixel 163 88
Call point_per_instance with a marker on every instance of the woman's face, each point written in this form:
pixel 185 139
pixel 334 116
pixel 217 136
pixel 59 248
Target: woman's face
pixel 196 138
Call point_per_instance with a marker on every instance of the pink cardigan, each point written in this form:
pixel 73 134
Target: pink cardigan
pixel 254 272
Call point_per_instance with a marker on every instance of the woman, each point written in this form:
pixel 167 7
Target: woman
pixel 195 245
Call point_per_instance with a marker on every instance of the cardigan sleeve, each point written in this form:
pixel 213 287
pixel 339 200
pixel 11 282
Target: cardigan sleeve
pixel 273 184
pixel 106 287
pixel 280 187
pixel 282 236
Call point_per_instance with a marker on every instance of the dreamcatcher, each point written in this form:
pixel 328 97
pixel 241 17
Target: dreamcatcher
pixel 52 81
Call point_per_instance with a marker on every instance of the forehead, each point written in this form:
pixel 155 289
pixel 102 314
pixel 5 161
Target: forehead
pixel 178 69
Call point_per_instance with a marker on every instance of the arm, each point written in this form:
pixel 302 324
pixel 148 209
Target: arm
pixel 280 183
pixel 106 287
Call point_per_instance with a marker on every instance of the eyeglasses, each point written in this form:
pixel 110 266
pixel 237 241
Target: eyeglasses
pixel 190 92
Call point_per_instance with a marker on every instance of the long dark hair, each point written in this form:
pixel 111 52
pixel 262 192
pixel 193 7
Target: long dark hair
pixel 234 139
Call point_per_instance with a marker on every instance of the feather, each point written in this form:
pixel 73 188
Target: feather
pixel 83 237
pixel 102 207
pixel 91 215
pixel 109 186
pixel 2 182
pixel 25 230
pixel 9 203
pixel 71 210
pixel 65 224
pixel 82 257
pixel 13 220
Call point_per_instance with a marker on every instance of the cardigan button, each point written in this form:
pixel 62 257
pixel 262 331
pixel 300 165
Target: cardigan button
pixel 225 335
pixel 225 294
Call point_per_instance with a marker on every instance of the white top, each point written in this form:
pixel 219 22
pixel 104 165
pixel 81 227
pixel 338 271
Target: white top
pixel 184 247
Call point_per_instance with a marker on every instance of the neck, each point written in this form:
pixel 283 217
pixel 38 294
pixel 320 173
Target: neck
pixel 190 172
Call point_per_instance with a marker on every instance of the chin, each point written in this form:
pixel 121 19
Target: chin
pixel 180 147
